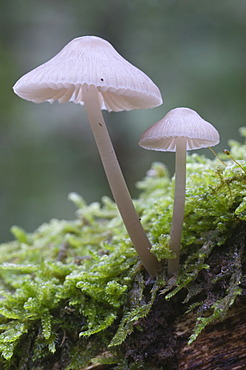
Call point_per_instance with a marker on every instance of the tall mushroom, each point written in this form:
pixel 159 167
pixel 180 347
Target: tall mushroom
pixel 89 71
pixel 180 130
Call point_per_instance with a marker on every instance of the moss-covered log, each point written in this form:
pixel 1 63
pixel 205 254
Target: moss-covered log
pixel 162 342
pixel 74 295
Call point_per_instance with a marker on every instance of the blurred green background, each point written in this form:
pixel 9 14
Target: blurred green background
pixel 193 50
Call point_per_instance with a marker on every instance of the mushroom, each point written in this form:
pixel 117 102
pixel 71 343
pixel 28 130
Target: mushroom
pixel 180 130
pixel 89 71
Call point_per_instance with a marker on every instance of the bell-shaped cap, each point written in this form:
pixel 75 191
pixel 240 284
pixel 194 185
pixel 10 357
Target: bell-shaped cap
pixel 93 61
pixel 180 123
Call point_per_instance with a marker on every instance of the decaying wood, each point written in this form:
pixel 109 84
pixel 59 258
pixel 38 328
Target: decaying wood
pixel 221 345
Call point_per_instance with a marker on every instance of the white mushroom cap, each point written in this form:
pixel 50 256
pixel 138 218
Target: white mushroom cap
pixel 93 61
pixel 180 123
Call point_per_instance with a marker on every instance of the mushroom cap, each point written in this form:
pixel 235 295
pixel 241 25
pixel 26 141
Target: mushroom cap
pixel 180 123
pixel 89 60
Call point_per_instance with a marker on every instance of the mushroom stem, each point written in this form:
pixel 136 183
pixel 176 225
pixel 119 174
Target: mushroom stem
pixel 179 205
pixel 116 180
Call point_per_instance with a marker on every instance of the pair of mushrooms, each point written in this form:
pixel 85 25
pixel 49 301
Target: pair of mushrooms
pixel 89 71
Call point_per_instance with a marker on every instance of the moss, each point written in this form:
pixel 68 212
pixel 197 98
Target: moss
pixel 74 292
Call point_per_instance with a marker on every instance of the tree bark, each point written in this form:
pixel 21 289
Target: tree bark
pixel 221 345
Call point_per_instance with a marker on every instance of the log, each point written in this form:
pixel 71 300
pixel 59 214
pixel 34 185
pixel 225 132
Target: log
pixel 221 345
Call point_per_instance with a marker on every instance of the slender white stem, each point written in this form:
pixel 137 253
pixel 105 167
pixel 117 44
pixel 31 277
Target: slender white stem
pixel 179 205
pixel 116 180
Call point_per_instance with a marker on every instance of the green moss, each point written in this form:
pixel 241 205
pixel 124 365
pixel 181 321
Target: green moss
pixel 74 290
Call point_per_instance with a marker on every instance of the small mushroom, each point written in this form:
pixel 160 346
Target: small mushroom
pixel 89 71
pixel 180 130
